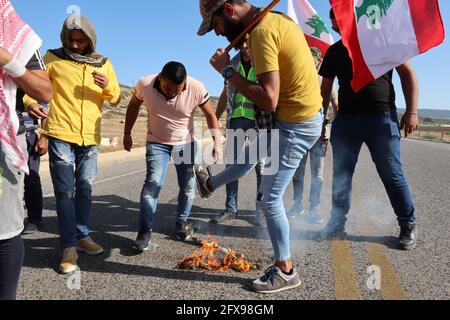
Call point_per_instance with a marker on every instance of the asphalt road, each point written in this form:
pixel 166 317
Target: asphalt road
pixel 347 269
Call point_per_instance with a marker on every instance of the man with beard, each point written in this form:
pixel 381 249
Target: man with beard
pixel 287 84
pixel 82 80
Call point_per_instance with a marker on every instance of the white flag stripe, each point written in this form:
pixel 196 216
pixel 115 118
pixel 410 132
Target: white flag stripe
pixel 301 11
pixel 391 42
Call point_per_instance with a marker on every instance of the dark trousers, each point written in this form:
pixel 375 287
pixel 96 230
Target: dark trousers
pixel 11 260
pixel 33 187
pixel 381 133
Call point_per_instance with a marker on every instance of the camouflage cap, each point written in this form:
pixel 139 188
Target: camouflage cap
pixel 207 10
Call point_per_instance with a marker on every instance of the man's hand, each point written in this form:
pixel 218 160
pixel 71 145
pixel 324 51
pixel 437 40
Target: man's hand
pixel 37 111
pixel 217 152
pixel 128 142
pixel 5 57
pixel 323 136
pixel 42 146
pixel 409 123
pixel 100 79
pixel 220 60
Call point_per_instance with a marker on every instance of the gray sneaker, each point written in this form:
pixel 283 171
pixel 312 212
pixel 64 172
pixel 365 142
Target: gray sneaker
pixel 225 216
pixel 202 177
pixel 274 280
pixel 296 211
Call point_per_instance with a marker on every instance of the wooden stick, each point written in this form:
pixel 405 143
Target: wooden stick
pixel 251 26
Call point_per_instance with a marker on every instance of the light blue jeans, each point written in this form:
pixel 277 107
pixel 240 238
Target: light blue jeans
pixel 158 157
pixel 295 141
pixel 317 158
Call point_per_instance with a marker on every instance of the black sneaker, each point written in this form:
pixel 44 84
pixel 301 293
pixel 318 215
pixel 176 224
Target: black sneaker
pixel 408 236
pixel 142 242
pixel 184 231
pixel 333 230
pixel 202 177
pixel 274 280
pixel 225 216
pixel 31 227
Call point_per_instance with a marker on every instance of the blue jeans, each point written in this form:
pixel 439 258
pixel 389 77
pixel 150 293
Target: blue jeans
pixel 381 133
pixel 73 169
pixel 231 204
pixel 295 141
pixel 317 158
pixel 158 157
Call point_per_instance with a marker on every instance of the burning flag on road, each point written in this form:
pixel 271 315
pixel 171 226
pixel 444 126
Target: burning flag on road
pixel 380 35
pixel 213 257
pixel 316 32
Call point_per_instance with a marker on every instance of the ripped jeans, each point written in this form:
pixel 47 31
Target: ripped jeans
pixel 73 169
pixel 158 157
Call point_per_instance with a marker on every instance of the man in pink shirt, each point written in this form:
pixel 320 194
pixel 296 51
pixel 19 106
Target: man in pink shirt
pixel 171 98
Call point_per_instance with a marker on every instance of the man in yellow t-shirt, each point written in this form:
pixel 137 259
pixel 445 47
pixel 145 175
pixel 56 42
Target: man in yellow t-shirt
pixel 288 84
pixel 82 80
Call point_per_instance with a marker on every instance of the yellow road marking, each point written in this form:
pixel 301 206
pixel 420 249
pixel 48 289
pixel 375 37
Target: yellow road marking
pixel 346 283
pixel 391 288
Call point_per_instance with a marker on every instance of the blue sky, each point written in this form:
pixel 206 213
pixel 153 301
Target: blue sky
pixel 140 36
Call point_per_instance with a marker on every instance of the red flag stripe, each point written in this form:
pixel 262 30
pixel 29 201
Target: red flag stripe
pixel 429 32
pixel 346 19
pixel 314 42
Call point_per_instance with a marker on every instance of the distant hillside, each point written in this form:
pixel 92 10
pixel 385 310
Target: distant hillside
pixel 432 114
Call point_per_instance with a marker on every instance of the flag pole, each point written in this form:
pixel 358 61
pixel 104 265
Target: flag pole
pixel 251 26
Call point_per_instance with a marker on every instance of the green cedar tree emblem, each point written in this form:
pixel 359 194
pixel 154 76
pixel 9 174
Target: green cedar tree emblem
pixel 374 10
pixel 318 25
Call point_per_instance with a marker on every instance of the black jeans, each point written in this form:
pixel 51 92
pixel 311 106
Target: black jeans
pixel 33 187
pixel 11 260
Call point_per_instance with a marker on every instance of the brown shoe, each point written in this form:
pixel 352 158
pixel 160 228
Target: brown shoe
pixel 68 261
pixel 89 247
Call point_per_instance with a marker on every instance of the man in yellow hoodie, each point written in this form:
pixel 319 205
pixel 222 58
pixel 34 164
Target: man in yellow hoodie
pixel 82 80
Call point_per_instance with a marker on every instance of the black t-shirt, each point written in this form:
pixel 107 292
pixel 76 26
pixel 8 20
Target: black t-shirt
pixel 35 63
pixel 375 97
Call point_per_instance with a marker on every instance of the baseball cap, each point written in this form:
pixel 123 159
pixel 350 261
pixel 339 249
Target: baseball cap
pixel 207 10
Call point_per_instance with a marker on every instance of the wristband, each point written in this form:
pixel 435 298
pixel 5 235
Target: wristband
pixel 14 69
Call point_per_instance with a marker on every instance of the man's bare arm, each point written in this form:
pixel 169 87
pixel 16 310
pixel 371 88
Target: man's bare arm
pixel 130 120
pixel 222 104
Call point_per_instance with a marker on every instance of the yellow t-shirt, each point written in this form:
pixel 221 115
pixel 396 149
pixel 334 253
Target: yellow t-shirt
pixel 278 44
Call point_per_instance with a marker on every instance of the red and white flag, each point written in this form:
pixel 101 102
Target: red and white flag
pixel 316 32
pixel 380 35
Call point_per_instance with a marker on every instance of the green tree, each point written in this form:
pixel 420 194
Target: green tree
pixel 383 6
pixel 318 25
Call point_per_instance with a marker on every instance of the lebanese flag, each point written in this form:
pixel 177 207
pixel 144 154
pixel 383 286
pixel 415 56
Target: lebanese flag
pixel 314 28
pixel 380 35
